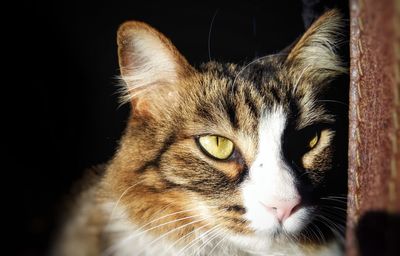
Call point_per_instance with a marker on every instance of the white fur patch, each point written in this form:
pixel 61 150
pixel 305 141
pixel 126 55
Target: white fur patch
pixel 270 180
pixel 127 239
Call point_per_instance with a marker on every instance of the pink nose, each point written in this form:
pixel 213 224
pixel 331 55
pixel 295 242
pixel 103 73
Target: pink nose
pixel 282 209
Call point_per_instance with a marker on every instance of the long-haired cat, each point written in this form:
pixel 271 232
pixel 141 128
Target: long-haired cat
pixel 225 159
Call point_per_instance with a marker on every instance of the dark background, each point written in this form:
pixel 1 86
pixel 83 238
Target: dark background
pixel 62 111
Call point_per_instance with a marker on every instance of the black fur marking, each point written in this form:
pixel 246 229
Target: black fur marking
pixel 275 94
pixel 236 208
pixel 243 174
pixel 227 73
pixel 205 113
pixel 231 111
pixel 156 160
pixel 252 107
pixel 204 179
pixel 294 113
pixel 239 221
pixel 291 140
pixel 256 73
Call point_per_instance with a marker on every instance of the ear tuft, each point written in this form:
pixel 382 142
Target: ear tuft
pixel 316 51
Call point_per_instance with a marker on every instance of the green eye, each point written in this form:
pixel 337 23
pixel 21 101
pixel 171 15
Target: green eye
pixel 216 146
pixel 314 141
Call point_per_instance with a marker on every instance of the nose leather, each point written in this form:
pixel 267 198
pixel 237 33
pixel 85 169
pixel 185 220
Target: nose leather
pixel 283 209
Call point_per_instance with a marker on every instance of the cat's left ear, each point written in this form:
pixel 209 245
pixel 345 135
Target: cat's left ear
pixel 151 67
pixel 315 55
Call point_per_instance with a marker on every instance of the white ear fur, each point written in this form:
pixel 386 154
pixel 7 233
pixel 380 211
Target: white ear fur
pixel 150 65
pixel 315 52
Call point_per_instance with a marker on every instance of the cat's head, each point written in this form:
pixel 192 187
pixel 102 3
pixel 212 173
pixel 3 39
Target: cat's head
pixel 245 150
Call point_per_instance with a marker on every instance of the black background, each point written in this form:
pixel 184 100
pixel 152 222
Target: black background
pixel 62 111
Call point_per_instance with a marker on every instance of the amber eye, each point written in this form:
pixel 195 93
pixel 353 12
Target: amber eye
pixel 314 141
pixel 216 146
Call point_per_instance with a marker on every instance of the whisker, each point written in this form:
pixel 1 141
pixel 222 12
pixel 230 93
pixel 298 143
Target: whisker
pixel 199 239
pixel 336 213
pixel 254 21
pixel 134 235
pixel 311 231
pixel 209 33
pixel 171 231
pixel 333 227
pixel 334 101
pixel 338 226
pixel 299 78
pixel 219 242
pixel 185 236
pixel 251 63
pixel 292 240
pixel 192 243
pixel 321 233
pixel 120 198
pixel 334 200
pixel 333 207
pixel 340 220
pixel 320 238
pixel 306 234
pixel 337 196
pixel 208 241
pixel 165 216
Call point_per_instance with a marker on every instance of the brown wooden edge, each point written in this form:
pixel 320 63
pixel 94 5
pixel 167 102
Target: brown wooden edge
pixel 374 135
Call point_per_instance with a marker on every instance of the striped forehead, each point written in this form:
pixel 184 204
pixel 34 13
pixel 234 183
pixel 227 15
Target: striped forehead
pixel 245 90
pixel 258 89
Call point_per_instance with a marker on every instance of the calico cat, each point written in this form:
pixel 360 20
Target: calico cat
pixel 225 159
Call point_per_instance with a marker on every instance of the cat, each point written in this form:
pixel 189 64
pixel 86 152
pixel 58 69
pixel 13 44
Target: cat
pixel 223 159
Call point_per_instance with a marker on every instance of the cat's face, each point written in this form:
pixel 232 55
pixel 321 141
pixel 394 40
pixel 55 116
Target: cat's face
pixel 243 150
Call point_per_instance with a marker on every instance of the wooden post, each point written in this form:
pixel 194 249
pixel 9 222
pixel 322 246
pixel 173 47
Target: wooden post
pixel 373 224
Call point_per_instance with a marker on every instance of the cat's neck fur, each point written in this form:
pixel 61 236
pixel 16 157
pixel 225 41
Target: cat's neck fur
pixel 134 240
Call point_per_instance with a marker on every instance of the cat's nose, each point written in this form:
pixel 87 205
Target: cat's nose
pixel 283 209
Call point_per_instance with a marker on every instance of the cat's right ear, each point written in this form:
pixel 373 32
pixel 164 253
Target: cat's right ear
pixel 151 68
pixel 315 55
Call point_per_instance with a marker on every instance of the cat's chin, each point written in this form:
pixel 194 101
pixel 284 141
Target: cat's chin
pixel 262 243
